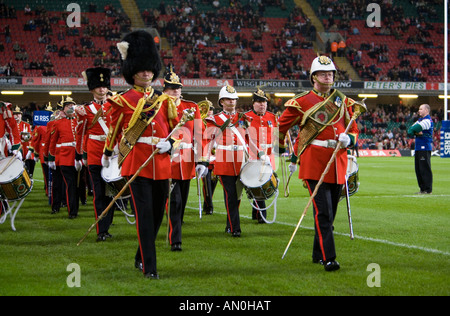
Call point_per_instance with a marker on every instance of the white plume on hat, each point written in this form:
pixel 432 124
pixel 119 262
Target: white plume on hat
pixel 123 49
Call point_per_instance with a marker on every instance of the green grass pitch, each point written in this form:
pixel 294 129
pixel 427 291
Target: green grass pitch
pixel 403 235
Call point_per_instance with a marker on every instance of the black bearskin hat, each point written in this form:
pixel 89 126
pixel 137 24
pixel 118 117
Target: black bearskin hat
pixel 97 77
pixel 139 53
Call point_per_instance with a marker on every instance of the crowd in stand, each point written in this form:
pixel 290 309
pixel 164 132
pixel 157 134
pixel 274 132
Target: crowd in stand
pixel 197 36
pixel 410 30
pixel 57 38
pixel 385 126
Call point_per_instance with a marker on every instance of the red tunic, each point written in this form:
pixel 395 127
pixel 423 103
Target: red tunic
pixel 8 125
pixel 91 136
pixel 184 156
pixel 63 137
pixel 123 107
pixel 315 158
pixel 25 132
pixel 38 141
pixel 230 150
pixel 261 132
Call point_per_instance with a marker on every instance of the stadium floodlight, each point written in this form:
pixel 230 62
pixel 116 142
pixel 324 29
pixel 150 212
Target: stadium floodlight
pixel 245 94
pixel 11 92
pixel 60 92
pixel 284 95
pixel 408 96
pixel 365 95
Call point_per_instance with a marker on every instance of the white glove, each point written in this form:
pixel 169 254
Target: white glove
pixel 292 167
pixel 164 146
pixel 344 139
pixel 52 165
pixel 106 161
pixel 18 154
pixel 36 158
pixel 78 165
pixel 85 162
pixel 201 170
pixel 29 153
pixel 265 159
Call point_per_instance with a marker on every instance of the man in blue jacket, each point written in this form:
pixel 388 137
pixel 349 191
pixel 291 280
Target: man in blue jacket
pixel 423 132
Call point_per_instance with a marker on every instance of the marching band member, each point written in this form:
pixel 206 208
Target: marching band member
pixel 183 158
pixel 38 143
pixel 63 136
pixel 9 133
pixel 210 180
pixel 92 129
pixel 322 116
pixel 25 137
pixel 146 120
pixel 262 127
pixel 56 183
pixel 228 129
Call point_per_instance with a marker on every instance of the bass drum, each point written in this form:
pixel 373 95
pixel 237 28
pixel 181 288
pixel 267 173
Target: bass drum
pixel 114 180
pixel 15 182
pixel 259 180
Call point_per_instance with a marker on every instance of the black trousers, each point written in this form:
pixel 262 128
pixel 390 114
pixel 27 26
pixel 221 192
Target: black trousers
pixel 57 188
pixel 209 186
pixel 256 214
pixel 325 206
pixel 101 200
pixel 422 164
pixel 231 202
pixel 70 177
pixel 148 200
pixel 178 200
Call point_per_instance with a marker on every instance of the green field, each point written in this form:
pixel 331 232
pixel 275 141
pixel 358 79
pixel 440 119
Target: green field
pixel 406 235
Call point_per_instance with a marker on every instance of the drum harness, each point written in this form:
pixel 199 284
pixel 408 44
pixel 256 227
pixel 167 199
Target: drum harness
pixel 241 139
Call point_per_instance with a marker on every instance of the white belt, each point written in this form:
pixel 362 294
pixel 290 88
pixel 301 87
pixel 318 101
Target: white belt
pixel 231 147
pixel 101 138
pixel 184 145
pixel 71 144
pixel 149 140
pixel 329 143
pixel 264 146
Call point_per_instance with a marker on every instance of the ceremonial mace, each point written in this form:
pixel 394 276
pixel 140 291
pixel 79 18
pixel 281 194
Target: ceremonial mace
pixel 360 108
pixel 188 115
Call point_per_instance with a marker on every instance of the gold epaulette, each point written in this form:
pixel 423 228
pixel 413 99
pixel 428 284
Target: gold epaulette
pixel 118 99
pixel 293 102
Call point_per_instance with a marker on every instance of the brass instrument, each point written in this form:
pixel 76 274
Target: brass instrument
pixel 204 106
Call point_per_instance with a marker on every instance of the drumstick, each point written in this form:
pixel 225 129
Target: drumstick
pixel 11 159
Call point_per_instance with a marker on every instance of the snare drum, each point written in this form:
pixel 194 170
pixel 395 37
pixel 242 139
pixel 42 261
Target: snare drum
pixel 352 177
pixel 259 180
pixel 15 182
pixel 114 180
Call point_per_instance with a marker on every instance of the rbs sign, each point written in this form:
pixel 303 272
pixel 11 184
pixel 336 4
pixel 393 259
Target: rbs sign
pixel 41 117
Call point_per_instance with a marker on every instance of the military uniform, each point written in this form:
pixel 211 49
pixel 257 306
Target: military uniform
pixel 313 160
pixel 8 133
pixel 262 127
pixel 185 155
pixel 25 139
pixel 55 181
pixel 93 126
pixel 141 106
pixel 229 132
pixel 322 118
pixel 63 136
